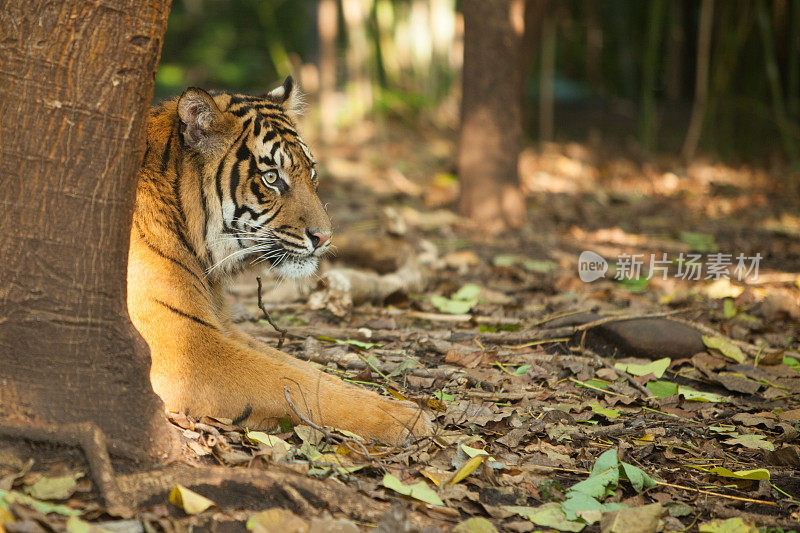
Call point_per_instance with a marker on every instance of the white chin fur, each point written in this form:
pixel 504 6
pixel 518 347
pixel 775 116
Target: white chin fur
pixel 298 268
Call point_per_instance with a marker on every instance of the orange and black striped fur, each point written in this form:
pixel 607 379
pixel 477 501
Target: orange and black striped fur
pixel 227 183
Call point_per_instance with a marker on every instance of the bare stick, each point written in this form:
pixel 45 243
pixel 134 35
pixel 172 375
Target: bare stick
pixel 717 494
pixel 269 318
pixel 624 318
pixel 347 441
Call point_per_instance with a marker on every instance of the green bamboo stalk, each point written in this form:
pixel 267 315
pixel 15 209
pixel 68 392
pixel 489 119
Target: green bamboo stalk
pixel 793 77
pixel 788 137
pixel 701 80
pixel 647 112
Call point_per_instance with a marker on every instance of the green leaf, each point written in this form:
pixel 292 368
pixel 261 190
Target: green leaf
pixel 76 525
pixel 692 395
pixel 506 260
pixel 547 515
pixel 269 440
pixel 731 525
pixel 578 503
pixel 791 362
pixel 473 452
pixel 453 307
pixel 729 308
pixel 728 349
pixel 699 242
pixel 753 442
pixel 420 491
pixel 607 462
pixel 468 292
pixel 522 370
pixel 758 473
pixel 604 411
pixel 540 267
pixel 662 389
pixel 10 496
pixel 351 342
pixel 54 488
pixel 657 367
pixel 585 495
pixel 634 285
pixel 596 383
pixel 637 477
pixel 475 525
pixel 407 364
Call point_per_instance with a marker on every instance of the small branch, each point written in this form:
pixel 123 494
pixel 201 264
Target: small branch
pixel 751 349
pixel 269 318
pixel 624 318
pixel 347 441
pixel 740 498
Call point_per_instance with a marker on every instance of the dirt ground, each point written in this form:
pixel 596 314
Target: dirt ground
pixel 651 402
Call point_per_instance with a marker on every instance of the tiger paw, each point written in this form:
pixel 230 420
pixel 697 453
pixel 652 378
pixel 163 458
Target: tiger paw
pixel 396 422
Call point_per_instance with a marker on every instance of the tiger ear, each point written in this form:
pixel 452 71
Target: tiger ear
pixel 202 120
pixel 288 96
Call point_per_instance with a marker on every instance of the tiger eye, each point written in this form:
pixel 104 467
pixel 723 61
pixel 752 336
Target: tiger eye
pixel 269 177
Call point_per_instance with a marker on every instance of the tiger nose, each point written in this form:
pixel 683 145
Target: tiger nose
pixel 318 238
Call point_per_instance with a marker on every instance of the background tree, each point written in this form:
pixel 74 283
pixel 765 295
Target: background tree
pixel 76 80
pixel 491 115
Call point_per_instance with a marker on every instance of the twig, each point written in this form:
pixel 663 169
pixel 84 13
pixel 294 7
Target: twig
pixel 347 441
pixel 751 349
pixel 740 498
pixel 466 317
pixel 624 318
pixel 269 318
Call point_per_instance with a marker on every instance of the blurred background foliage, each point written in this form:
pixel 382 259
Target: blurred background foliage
pixel 621 71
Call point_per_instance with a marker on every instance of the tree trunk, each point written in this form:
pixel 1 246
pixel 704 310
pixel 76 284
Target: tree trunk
pixel 76 80
pixel 547 78
pixel 701 80
pixel 647 112
pixel 328 27
pixel 491 117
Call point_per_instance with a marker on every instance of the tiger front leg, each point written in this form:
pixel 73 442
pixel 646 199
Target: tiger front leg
pixel 236 381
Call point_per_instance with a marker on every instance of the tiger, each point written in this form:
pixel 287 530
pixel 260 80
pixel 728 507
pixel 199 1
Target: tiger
pixel 227 185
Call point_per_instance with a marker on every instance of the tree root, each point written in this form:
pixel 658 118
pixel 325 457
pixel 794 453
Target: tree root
pixel 92 441
pixel 123 494
pixel 254 488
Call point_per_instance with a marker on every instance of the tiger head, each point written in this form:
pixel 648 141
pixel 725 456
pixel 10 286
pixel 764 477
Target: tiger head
pixel 260 182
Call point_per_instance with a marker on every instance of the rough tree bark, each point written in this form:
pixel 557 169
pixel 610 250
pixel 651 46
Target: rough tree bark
pixel 491 115
pixel 76 80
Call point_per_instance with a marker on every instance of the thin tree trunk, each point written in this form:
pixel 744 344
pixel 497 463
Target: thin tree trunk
pixel 647 112
pixel 359 85
pixel 701 80
pixel 76 79
pixel 491 118
pixel 738 21
pixel 793 76
pixel 594 46
pixel 547 78
pixel 788 135
pixel 328 27
pixel 673 76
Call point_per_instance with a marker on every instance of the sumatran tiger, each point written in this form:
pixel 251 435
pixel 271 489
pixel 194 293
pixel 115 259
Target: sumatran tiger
pixel 227 183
